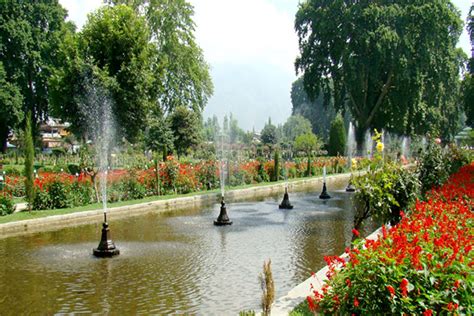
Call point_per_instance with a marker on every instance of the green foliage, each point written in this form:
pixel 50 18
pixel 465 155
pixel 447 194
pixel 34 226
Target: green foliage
pixel 432 169
pixel 247 313
pixel 382 193
pixel 468 98
pixel 117 40
pixel 295 126
pixel 7 206
pixel 337 137
pixel 437 164
pixel 159 136
pixel 10 108
pixel 276 164
pixel 185 126
pixel 211 129
pixel 30 35
pixel 317 112
pixel 302 310
pixel 29 161
pixel 181 74
pixel 307 143
pixel 269 134
pixel 394 65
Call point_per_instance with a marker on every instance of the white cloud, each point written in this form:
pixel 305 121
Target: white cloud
pixel 78 10
pixel 246 31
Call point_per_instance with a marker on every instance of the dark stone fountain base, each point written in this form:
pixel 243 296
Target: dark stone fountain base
pixel 324 194
pixel 223 219
pixel 285 204
pixel 106 248
pixel 350 187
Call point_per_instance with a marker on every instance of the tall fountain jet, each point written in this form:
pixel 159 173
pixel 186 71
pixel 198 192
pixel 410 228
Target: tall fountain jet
pixel 96 108
pixel 223 218
pixel 349 152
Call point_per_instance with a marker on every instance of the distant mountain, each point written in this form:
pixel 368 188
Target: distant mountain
pixel 252 92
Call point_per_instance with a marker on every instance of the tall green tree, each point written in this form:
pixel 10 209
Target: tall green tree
pixel 337 137
pixel 30 34
pixel 308 143
pixel 29 161
pixel 159 136
pixel 269 134
pixel 392 64
pixel 11 113
pixel 319 113
pixel 294 126
pixel 468 82
pixel 117 40
pixel 211 129
pixel 180 70
pixel 185 125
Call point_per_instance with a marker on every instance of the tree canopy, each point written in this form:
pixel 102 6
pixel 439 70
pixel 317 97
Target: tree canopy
pixel 269 134
pixel 393 64
pixel 185 125
pixel 180 69
pixel 468 83
pixel 11 113
pixel 30 34
pixel 316 111
pixel 294 126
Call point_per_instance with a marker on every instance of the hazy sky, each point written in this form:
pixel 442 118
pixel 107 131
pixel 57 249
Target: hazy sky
pixel 251 47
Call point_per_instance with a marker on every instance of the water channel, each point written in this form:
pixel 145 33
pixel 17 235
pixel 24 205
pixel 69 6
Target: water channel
pixel 175 262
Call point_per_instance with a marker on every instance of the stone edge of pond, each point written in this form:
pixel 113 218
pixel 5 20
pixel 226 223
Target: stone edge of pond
pixel 55 222
pixel 285 304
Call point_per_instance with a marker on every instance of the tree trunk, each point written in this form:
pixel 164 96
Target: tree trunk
pixel 360 139
pixel 3 139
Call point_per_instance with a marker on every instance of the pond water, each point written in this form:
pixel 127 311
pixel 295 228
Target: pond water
pixel 175 262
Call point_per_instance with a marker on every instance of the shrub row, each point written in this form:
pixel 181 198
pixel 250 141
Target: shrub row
pixel 63 190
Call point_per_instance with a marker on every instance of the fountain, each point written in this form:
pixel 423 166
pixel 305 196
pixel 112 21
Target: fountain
pixel 368 143
pixel 350 149
pixel 324 194
pixel 285 203
pixel 97 110
pixel 405 148
pixel 223 218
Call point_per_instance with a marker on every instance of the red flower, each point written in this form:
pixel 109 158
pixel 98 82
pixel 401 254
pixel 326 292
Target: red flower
pixel 311 304
pixel 452 306
pixel 356 302
pixel 391 290
pixel 355 232
pixel 428 312
pixel 404 287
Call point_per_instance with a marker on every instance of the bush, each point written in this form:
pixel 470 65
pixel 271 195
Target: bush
pixel 433 168
pixel 7 206
pixel 337 137
pixel 382 193
pixel 74 169
pixel 421 266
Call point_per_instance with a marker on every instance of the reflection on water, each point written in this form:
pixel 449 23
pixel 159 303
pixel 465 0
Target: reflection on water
pixel 175 263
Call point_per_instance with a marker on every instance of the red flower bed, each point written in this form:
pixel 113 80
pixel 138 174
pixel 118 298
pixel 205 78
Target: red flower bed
pixel 423 265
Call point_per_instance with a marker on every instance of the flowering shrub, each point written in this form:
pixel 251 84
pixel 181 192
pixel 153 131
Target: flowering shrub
pixel 421 266
pixel 60 189
pixel 382 193
pixel 6 204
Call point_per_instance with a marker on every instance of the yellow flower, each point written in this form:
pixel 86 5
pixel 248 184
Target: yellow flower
pixel 380 147
pixel 354 163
